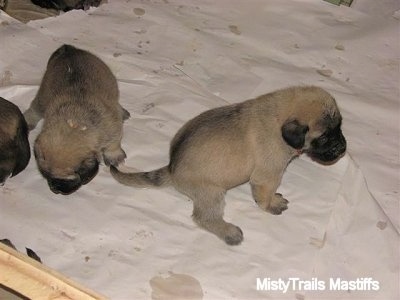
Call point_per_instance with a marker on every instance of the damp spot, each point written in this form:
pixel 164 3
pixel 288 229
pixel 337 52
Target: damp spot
pixel 296 46
pixel 299 296
pixel 6 78
pixel 6 190
pixel 381 225
pixel 147 107
pixel 143 234
pixel 176 286
pixel 139 11
pixel 181 63
pixel 4 23
pixel 139 53
pixel 137 249
pixel 117 54
pixel 325 72
pixel 87 258
pixel 234 29
pixel 319 243
pixel 69 235
pixel 141 31
pixel 339 47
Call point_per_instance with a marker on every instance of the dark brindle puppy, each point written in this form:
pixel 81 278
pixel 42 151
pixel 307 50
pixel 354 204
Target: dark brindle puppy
pixel 251 141
pixel 14 145
pixel 78 100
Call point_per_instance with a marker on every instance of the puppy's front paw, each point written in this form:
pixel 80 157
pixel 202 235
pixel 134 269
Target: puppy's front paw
pixel 234 235
pixel 278 204
pixel 114 158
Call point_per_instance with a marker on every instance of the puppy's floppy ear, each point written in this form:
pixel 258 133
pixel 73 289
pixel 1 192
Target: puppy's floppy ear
pixel 88 169
pixel 294 133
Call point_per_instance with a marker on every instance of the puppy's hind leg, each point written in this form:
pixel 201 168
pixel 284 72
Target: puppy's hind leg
pixel 208 211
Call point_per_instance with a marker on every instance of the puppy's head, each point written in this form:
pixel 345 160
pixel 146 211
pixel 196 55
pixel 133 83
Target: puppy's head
pixel 314 126
pixel 65 162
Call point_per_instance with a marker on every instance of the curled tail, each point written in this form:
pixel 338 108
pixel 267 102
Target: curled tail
pixel 156 178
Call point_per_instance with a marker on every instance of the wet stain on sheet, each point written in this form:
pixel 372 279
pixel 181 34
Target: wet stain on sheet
pixel 234 29
pixel 147 107
pixel 139 11
pixel 141 31
pixel 318 242
pixel 175 286
pixel 117 54
pixel 299 296
pixel 5 23
pixel 6 78
pixel 325 72
pixel 339 47
pixel 381 225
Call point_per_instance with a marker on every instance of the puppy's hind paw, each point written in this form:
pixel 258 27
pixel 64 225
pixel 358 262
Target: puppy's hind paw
pixel 114 158
pixel 278 204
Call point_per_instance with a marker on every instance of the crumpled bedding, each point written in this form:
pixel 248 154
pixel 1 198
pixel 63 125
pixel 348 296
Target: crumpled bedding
pixel 174 60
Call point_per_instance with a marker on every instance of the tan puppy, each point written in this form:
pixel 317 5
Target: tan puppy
pixel 78 100
pixel 250 141
pixel 14 144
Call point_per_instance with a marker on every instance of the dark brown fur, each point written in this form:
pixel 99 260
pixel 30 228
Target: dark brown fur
pixel 14 144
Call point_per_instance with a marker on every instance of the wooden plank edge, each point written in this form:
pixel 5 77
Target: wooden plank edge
pixel 37 281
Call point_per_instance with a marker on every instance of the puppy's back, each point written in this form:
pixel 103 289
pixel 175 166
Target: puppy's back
pixel 77 74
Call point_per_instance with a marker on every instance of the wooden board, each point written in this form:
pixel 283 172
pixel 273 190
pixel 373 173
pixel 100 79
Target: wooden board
pixel 32 279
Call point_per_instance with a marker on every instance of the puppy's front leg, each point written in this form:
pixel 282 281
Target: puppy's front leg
pixel 265 196
pixel 124 113
pixel 33 114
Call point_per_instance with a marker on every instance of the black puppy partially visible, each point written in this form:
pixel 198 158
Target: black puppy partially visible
pixel 67 5
pixel 14 145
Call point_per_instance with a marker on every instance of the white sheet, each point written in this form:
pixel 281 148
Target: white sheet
pixel 173 60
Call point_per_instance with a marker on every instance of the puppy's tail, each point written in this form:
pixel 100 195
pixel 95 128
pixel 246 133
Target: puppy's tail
pixel 159 177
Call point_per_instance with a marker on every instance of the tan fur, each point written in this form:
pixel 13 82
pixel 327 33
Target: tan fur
pixel 228 146
pixel 78 100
